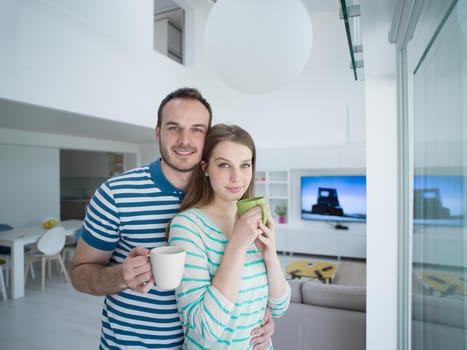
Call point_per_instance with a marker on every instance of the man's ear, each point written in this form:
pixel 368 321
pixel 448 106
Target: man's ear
pixel 203 165
pixel 158 132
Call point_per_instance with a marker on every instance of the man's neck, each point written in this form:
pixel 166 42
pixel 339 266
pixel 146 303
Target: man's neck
pixel 177 178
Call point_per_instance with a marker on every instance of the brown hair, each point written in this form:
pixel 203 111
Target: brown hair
pixel 187 93
pixel 199 191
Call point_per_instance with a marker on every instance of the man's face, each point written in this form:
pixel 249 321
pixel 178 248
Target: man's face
pixel 182 133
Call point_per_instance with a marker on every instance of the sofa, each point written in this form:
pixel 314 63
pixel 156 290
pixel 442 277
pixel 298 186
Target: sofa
pixel 438 318
pixel 325 316
pixel 333 316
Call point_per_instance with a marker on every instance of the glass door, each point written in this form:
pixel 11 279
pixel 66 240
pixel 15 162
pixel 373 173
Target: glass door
pixel 439 255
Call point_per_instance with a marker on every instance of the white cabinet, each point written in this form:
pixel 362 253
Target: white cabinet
pixel 307 242
pixel 321 242
pixel 281 241
pixel 352 245
pixel 275 186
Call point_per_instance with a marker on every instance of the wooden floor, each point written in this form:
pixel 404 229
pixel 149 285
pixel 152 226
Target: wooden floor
pixel 60 318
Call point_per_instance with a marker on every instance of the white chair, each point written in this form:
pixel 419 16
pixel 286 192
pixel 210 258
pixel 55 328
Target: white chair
pixel 5 253
pixel 70 245
pixel 49 248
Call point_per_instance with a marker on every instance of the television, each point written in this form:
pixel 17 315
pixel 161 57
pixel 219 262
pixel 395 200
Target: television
pixel 439 200
pixel 339 198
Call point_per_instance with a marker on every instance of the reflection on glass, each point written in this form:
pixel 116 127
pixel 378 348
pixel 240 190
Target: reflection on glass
pixel 439 278
pixel 439 200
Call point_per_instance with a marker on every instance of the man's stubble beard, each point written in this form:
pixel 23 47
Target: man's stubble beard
pixel 167 161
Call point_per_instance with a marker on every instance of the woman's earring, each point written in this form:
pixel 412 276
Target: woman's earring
pixel 206 174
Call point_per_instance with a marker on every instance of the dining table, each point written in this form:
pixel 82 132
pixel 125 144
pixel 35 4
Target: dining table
pixel 16 239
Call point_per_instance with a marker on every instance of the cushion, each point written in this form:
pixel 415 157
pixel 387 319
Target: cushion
pixel 350 273
pixel 441 310
pixel 335 296
pixel 296 290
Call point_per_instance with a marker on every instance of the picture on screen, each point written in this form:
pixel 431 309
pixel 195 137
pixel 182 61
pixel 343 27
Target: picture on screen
pixel 333 198
pixel 439 200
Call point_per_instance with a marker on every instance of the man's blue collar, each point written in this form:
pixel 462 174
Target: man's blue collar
pixel 161 181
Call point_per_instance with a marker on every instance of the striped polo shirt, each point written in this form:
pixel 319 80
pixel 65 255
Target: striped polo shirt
pixel 126 211
pixel 209 319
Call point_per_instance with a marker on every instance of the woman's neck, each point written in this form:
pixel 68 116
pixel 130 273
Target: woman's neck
pixel 223 214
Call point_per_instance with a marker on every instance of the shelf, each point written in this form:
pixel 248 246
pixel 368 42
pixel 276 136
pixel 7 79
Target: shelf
pixel 274 185
pixel 278 197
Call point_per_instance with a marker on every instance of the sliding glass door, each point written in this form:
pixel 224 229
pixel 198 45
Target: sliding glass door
pixel 439 248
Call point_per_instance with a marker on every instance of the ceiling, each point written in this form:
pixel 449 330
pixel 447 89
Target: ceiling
pixel 28 117
pixel 22 116
pixel 170 9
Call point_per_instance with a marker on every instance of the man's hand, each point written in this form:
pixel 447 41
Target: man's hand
pixel 262 335
pixel 136 270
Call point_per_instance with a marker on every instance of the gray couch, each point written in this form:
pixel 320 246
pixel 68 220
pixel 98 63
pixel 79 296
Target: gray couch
pixel 326 316
pixel 438 322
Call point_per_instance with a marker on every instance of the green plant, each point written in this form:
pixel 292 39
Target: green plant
pixel 281 210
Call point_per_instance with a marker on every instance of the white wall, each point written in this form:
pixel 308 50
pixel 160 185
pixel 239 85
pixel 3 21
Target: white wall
pixel 29 184
pixel 323 107
pixel 382 204
pixel 382 176
pixel 98 60
pixel 30 172
pixel 93 58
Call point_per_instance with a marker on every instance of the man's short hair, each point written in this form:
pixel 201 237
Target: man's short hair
pixel 187 93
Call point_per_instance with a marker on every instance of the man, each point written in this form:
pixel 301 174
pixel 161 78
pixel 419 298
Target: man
pixel 127 216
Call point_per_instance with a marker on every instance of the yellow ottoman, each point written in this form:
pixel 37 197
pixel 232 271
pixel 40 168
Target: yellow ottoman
pixel 321 270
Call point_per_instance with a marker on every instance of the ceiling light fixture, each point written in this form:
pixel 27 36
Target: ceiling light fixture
pixel 258 46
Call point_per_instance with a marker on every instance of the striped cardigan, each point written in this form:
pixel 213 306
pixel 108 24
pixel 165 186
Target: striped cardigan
pixel 211 321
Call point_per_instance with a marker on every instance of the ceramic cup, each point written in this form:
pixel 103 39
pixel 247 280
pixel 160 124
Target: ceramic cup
pixel 167 265
pixel 246 204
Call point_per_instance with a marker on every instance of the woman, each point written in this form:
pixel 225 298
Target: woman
pixel 232 272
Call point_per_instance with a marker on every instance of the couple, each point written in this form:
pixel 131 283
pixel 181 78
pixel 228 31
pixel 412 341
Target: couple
pixel 232 271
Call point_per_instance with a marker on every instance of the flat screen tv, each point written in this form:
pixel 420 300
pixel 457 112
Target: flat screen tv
pixel 439 200
pixel 333 198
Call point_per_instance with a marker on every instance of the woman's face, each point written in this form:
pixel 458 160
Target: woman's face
pixel 230 170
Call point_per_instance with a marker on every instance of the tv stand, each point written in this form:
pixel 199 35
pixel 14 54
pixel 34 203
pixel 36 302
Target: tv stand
pixel 322 239
pixel 341 227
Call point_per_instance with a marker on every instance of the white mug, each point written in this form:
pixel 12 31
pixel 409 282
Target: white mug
pixel 167 264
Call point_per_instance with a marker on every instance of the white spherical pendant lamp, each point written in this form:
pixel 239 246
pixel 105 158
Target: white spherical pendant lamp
pixel 258 46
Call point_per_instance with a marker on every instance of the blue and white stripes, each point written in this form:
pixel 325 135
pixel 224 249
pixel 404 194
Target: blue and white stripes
pixel 126 211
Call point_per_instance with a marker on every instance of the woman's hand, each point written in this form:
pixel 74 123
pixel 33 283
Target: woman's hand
pixel 246 228
pixel 266 241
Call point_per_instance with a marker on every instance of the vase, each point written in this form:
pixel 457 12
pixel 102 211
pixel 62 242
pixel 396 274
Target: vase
pixel 281 220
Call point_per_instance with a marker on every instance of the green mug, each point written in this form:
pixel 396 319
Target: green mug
pixel 244 205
